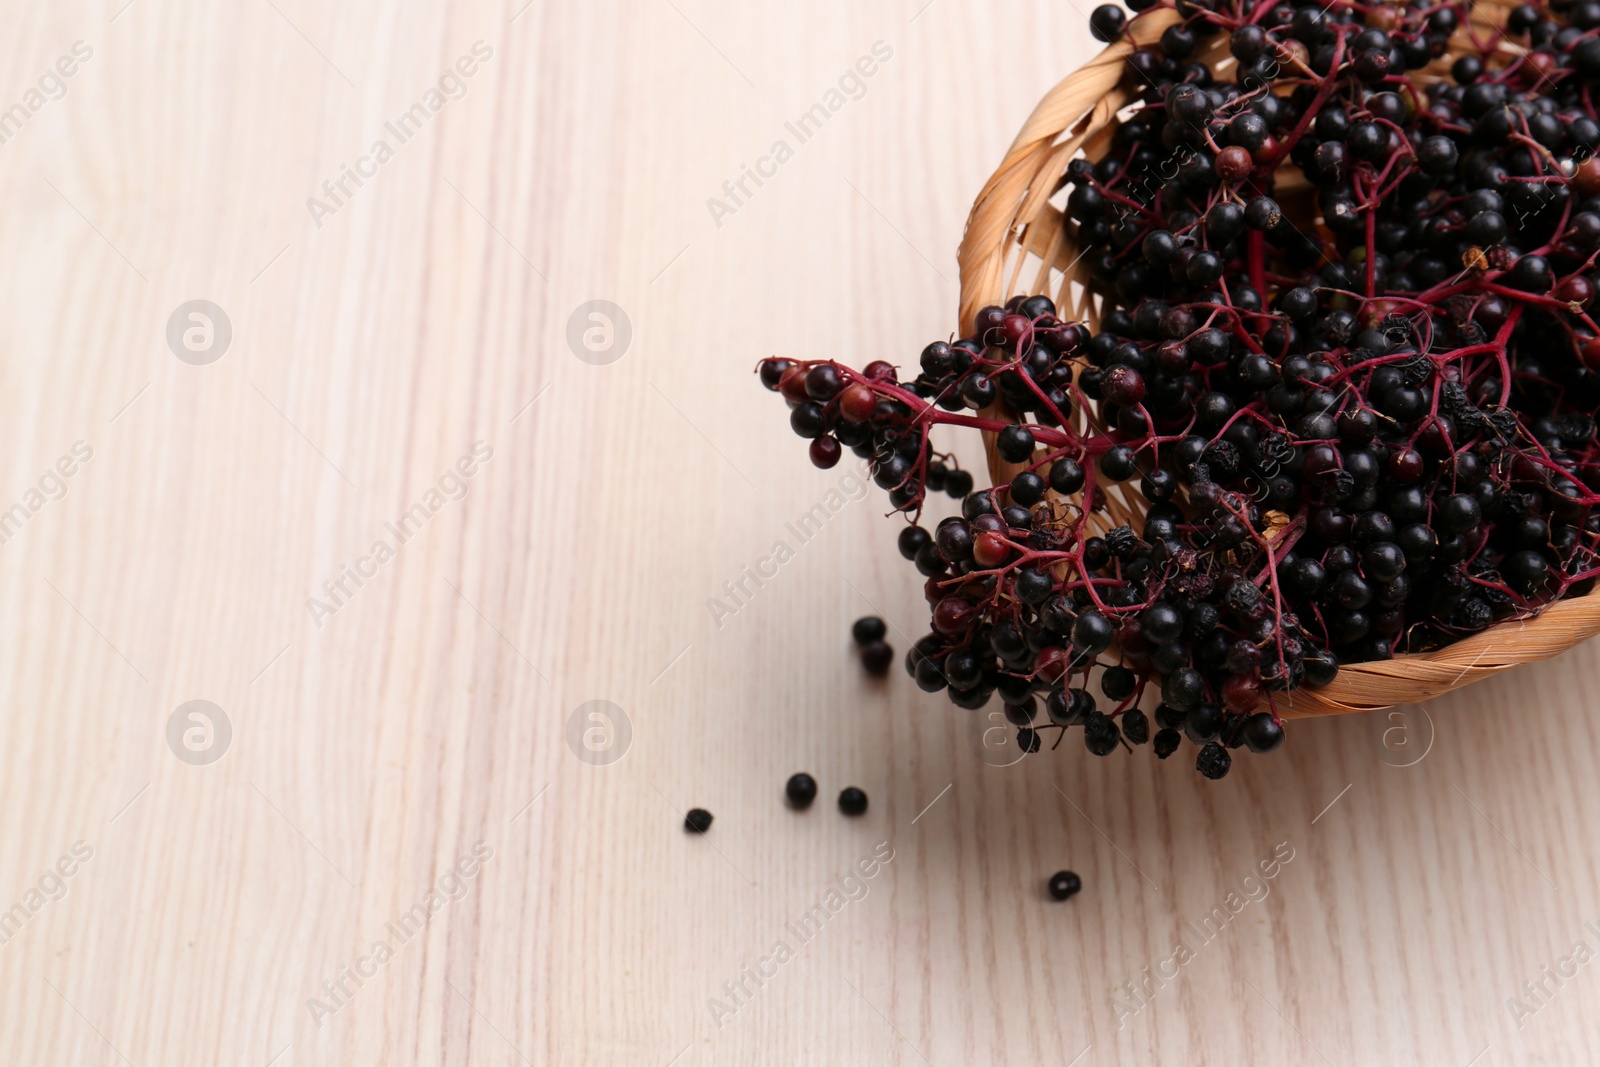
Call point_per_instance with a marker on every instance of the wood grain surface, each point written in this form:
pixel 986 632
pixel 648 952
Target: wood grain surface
pixel 398 833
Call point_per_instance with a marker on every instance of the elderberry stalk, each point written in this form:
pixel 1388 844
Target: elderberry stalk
pixel 1025 600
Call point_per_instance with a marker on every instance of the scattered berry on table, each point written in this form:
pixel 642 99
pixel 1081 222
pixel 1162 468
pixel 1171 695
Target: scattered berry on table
pixel 1064 884
pixel 852 801
pixel 868 629
pixel 801 789
pixel 877 657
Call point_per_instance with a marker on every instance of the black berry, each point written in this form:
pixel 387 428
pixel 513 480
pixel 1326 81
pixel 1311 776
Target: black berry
pixel 852 801
pixel 870 628
pixel 801 789
pixel 1213 761
pixel 1064 884
pixel 877 657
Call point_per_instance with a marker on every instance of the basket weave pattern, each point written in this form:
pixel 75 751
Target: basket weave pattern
pixel 1015 242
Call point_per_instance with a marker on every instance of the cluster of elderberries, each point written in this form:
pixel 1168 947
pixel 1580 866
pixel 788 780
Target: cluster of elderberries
pixel 1345 361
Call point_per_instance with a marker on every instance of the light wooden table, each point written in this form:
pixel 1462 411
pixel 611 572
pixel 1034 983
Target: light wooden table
pixel 409 734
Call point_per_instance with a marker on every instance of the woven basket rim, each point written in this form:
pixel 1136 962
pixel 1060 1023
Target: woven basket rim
pixel 1012 221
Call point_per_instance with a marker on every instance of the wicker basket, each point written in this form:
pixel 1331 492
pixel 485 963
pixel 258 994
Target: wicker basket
pixel 1015 242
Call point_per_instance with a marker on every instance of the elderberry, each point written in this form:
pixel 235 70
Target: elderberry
pixel 876 657
pixel 1213 761
pixel 801 789
pixel 1106 22
pixel 869 628
pixel 1064 884
pixel 852 801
